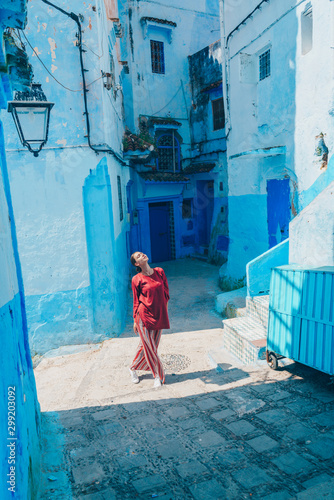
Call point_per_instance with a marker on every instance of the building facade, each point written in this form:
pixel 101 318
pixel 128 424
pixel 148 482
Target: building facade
pixel 20 410
pixel 126 166
pixel 69 202
pixel 278 124
pixel 177 197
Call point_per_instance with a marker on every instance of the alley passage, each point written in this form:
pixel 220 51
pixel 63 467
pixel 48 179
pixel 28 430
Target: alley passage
pixel 212 432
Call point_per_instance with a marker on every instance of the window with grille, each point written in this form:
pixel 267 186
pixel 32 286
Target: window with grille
pixel 218 114
pixel 119 186
pixel 157 57
pixel 168 153
pixel 264 65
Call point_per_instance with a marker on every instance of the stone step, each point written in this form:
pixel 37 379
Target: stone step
pixel 245 338
pixel 258 309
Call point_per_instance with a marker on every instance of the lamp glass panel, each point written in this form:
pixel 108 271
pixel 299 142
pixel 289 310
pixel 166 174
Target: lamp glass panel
pixel 33 123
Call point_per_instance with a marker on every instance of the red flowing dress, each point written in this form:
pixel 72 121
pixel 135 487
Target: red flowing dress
pixel 150 297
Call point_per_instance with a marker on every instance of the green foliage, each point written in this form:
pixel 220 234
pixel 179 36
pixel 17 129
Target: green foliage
pixel 227 284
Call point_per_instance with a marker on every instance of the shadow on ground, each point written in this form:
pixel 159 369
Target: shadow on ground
pixel 244 433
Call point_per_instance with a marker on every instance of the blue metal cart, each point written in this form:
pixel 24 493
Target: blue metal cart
pixel 301 317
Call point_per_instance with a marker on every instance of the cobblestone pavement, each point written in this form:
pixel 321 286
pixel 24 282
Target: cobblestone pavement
pixel 212 432
pixel 247 432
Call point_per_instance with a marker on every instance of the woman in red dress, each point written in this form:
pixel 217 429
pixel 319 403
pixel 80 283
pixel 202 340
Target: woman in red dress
pixel 150 313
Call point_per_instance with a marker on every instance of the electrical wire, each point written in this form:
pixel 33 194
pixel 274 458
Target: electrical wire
pixel 95 54
pixel 168 103
pixel 40 60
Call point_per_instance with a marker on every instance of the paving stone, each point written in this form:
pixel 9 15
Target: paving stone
pixel 223 414
pixel 109 414
pixel 316 480
pixel 298 431
pixel 323 491
pixel 148 483
pixel 191 423
pixel 291 463
pixel 263 443
pixel 108 494
pixel 131 461
pixel 241 427
pixel 230 457
pixel 272 416
pixel 279 495
pixel 264 388
pixel 324 397
pixel 322 446
pixel 191 468
pixel 177 411
pixel 110 428
pixel 88 474
pixel 142 407
pixel 158 434
pixel 71 420
pixel 207 403
pixel 210 438
pixel 238 395
pixel 121 444
pixel 209 490
pixel 77 437
pixel 172 448
pixel 325 419
pixel 279 395
pixel 147 421
pixel 302 407
pixel 83 453
pixel 251 477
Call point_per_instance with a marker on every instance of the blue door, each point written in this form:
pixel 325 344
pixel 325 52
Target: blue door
pixel 160 232
pixel 204 211
pixel 278 207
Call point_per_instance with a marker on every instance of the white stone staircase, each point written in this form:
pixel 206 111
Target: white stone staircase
pixel 245 336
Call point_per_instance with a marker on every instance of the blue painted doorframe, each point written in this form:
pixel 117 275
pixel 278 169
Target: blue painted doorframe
pixel 144 236
pixel 160 231
pixel 278 209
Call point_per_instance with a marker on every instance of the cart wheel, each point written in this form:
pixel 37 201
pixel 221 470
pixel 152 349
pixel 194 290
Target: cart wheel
pixel 272 361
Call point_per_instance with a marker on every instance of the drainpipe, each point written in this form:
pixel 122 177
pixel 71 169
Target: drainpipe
pixel 76 19
pixel 173 151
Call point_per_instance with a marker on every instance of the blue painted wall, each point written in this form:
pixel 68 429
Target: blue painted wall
pixel 66 297
pixel 20 455
pixel 105 255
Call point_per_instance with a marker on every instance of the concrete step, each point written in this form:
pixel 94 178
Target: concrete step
pixel 232 304
pixel 245 338
pixel 258 309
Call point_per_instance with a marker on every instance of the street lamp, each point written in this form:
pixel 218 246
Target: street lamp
pixel 31 115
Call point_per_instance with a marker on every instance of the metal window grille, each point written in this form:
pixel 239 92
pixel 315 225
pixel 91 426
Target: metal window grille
pixel 121 215
pixel 157 57
pixel 218 114
pixel 264 64
pixel 168 156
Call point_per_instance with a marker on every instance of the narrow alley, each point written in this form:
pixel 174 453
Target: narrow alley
pixel 213 431
pixel 193 136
